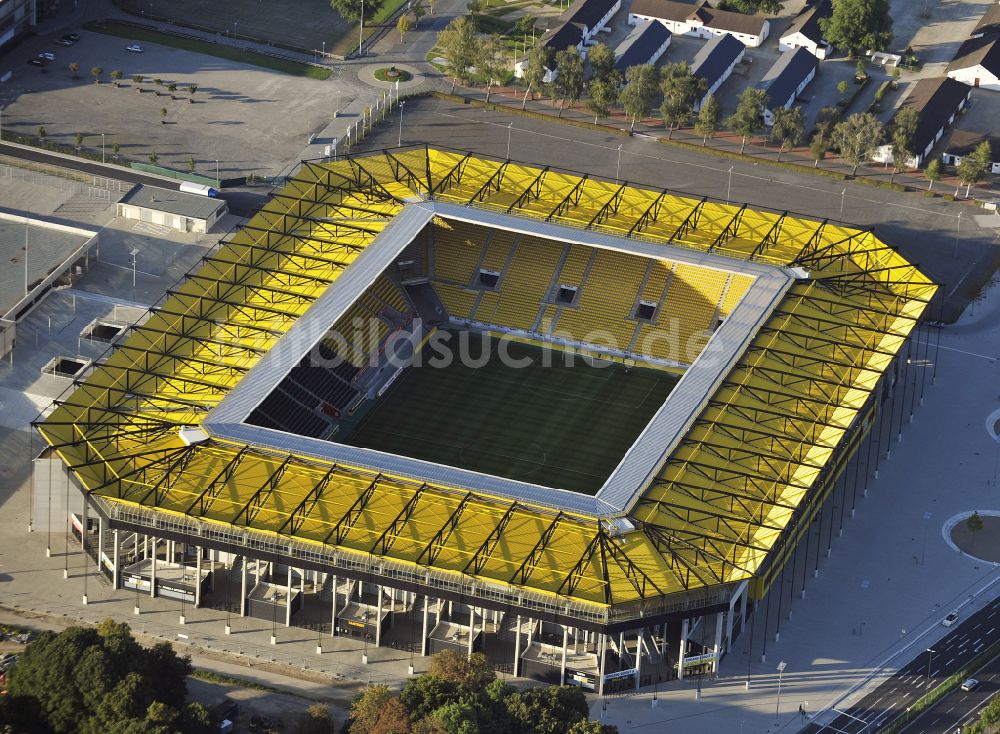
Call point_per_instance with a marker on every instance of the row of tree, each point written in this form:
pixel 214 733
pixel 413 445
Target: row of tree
pixel 461 695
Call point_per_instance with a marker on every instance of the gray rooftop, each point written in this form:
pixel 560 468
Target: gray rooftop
pixel 173 202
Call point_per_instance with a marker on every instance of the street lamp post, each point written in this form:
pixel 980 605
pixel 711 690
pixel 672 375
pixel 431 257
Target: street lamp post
pixel 843 193
pixel 361 33
pixel 236 25
pixel 133 253
pixel 618 168
pixel 324 50
pixel 930 657
pixel 26 259
pixel 958 231
pixel 364 634
pixel 399 140
pixel 777 705
pixel 102 147
pixel 510 126
pixel 216 171
pixel 729 187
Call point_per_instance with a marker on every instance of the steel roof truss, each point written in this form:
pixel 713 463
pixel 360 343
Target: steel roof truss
pixel 207 497
pixel 353 514
pixel 608 208
pixel 572 198
pixel 392 531
pixel 485 550
pixel 531 191
pixel 433 549
pixel 530 561
pixel 250 510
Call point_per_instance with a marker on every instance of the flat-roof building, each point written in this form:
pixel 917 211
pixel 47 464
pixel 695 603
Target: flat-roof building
pixel 174 209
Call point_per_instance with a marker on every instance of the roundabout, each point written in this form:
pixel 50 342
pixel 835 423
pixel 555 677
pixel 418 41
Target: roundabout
pixel 981 540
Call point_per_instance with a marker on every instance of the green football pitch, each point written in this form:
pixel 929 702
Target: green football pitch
pixel 564 426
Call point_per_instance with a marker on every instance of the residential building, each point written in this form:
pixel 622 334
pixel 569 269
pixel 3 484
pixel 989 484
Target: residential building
pixel 938 101
pixel 174 209
pixel 804 32
pixel 715 62
pixel 701 20
pixel 977 63
pixel 786 79
pixel 575 28
pixel 989 23
pixel 960 143
pixel 16 16
pixel 645 44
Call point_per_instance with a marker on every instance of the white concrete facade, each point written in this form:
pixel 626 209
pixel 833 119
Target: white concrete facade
pixel 785 104
pixel 954 160
pixel 720 81
pixel 797 40
pixel 977 76
pixel 695 28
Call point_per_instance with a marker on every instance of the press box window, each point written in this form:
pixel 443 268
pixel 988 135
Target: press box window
pixel 489 278
pixel 566 294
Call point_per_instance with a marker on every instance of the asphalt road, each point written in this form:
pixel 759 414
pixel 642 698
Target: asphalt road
pixel 240 202
pixel 951 653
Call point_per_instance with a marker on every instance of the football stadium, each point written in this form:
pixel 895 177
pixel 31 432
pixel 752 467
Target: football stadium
pixel 580 425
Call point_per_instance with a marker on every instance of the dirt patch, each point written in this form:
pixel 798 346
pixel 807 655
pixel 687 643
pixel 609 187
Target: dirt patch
pixel 983 544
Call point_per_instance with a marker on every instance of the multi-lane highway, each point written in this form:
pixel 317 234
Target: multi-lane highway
pixel 975 630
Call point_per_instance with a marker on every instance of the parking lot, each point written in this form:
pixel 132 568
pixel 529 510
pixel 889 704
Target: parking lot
pixel 241 114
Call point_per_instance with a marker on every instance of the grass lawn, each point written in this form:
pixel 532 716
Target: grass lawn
pixel 146 35
pixel 300 24
pixel 560 426
pixel 383 75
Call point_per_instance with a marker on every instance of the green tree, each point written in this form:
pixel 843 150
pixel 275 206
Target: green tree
pixel 74 69
pixel 458 48
pixel 602 60
pixel 138 78
pixel 153 158
pixel 818 147
pixel 367 707
pixel 471 673
pixel 100 680
pixel 163 115
pixel 491 61
pixel 116 76
pixel 172 87
pixel 351 9
pixel 96 72
pixel 933 172
pixel 603 95
pixel 403 26
pixel 425 694
pixel 551 710
pixel 857 137
pixel 842 87
pixel 41 131
pixel 751 7
pixel 474 6
pixel 569 77
pixel 524 26
pixel 115 147
pixel 79 139
pixel 418 12
pixel 192 164
pixel 904 128
pixel 973 167
pixel 540 60
pixel 857 26
pixel 825 121
pixel 681 89
pixel 639 91
pixel 974 522
pixel 709 117
pixel 788 128
pixel 749 115
pixel 316 720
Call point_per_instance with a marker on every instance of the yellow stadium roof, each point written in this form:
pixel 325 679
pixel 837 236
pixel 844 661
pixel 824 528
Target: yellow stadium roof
pixel 745 473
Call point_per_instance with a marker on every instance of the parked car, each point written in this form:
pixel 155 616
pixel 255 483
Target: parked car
pixel 134 48
pixel 36 62
pixel 47 56
pixel 74 37
pixel 64 42
pixel 950 619
pixel 969 684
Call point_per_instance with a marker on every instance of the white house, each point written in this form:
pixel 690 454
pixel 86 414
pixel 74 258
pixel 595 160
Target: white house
pixel 786 79
pixel 701 20
pixel 804 32
pixel 961 143
pixel 576 27
pixel 977 63
pixel 715 61
pixel 938 101
pixel 645 44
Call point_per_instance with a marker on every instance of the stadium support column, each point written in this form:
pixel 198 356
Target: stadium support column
pixel 683 649
pixel 100 543
pixel 472 628
pixel 423 637
pixel 288 600
pixel 152 566
pixel 767 618
pixel 243 587
pixel 562 664
pixel 638 656
pixel 197 577
pixel 781 589
pixel 378 618
pixel 603 642
pixel 718 641
pixel 517 646
pixel 333 608
pixel 805 563
pixel 114 561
